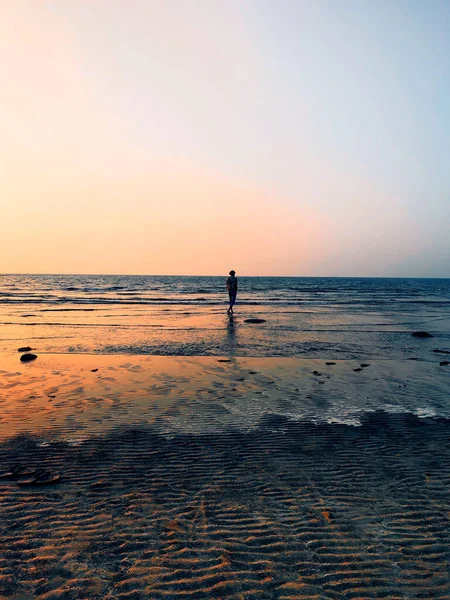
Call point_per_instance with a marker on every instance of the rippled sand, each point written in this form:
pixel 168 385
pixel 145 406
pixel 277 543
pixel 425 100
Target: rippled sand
pixel 245 479
pixel 290 510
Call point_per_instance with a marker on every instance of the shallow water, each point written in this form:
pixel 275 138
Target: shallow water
pixel 340 318
pixel 75 396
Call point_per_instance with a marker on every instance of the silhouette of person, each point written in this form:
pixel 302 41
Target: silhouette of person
pixel 232 287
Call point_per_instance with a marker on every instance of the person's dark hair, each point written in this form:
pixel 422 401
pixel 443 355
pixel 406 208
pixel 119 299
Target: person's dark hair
pixel 232 273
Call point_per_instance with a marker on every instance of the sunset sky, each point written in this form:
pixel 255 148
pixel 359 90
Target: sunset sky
pixel 285 137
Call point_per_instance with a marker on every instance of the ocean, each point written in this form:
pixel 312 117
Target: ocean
pixel 310 317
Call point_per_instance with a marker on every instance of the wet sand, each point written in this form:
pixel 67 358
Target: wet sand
pixel 73 396
pixel 244 479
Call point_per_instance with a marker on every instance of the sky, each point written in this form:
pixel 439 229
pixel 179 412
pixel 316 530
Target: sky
pixel 194 136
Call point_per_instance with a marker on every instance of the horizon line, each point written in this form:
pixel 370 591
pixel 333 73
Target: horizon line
pixel 225 275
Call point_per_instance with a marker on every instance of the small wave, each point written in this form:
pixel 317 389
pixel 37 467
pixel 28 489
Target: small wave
pixel 340 294
pixel 68 309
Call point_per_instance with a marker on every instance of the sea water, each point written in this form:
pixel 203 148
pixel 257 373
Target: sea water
pixel 310 317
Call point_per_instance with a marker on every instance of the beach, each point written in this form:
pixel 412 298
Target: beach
pixel 242 470
pixel 224 300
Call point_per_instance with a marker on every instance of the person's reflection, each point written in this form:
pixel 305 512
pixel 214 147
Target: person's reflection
pixel 231 335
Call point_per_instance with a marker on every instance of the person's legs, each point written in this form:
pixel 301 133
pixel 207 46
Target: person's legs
pixel 232 301
pixel 230 308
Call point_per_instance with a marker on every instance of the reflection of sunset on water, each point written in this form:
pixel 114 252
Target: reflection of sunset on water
pixel 61 395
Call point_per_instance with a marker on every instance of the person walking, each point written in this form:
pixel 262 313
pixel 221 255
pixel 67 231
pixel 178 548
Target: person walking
pixel 232 287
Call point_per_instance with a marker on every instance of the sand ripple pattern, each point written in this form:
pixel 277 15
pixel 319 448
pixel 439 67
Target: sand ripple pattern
pixel 291 510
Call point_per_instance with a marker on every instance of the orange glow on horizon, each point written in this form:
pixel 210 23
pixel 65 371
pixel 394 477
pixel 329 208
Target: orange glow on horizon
pixel 168 221
pixel 126 147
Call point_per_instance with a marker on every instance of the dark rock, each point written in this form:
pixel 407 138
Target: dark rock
pixel 27 357
pixel 413 358
pixel 25 349
pixel 444 363
pixel 422 334
pixel 442 351
pixel 94 370
pixel 364 365
pixel 240 379
pixel 254 321
pixel 330 363
pixel 316 373
pixel 357 370
pixel 253 372
pixel 223 360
